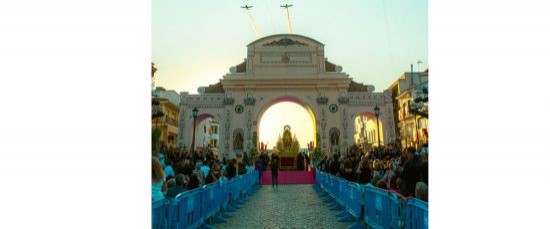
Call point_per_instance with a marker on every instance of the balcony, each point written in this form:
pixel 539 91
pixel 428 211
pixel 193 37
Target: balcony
pixel 172 121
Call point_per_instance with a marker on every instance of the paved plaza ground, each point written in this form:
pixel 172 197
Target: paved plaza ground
pixel 288 206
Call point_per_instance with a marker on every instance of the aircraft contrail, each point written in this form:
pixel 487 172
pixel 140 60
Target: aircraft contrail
pixel 288 17
pixel 258 34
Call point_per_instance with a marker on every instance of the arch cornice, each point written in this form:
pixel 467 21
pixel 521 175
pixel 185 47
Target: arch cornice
pixel 303 82
pixel 285 36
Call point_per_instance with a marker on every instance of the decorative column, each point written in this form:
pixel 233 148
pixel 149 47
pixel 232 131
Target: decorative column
pixel 321 103
pixel 343 101
pixel 225 142
pixel 249 103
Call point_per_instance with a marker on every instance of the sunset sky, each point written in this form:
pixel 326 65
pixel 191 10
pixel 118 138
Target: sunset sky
pixel 196 42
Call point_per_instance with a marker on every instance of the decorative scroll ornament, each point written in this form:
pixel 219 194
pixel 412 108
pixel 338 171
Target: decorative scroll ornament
pixel 345 123
pixel 249 123
pixel 285 42
pixel 343 100
pixel 228 101
pixel 249 101
pixel 322 100
pixel 227 124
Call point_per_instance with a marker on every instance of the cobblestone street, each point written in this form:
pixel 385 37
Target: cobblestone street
pixel 288 206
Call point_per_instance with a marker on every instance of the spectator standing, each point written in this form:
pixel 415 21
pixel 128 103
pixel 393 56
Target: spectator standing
pixel 275 163
pixel 199 173
pixel 410 174
pixel 364 172
pixel 231 170
pixel 213 174
pixel 158 186
pixel 260 168
pixel 168 170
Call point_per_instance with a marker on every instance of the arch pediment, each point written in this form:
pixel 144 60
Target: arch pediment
pixel 285 40
pixel 288 53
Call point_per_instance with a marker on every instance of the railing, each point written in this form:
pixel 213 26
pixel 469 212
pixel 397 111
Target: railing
pixel 416 214
pixel 200 206
pixel 366 204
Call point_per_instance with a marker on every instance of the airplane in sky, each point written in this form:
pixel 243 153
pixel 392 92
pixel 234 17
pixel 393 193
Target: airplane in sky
pixel 246 7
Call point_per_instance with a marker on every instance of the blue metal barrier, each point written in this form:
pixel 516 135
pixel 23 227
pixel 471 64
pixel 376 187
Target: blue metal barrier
pixel 159 211
pixel 192 209
pixel 233 194
pixel 249 169
pixel 344 191
pixel 376 207
pixel 209 202
pixel 333 187
pixel 325 182
pixel 416 214
pixel 188 205
pixel 353 204
pixel 224 196
pixel 381 208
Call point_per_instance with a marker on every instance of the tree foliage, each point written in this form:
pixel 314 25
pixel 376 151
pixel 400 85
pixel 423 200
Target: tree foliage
pixel 155 141
pixel 254 151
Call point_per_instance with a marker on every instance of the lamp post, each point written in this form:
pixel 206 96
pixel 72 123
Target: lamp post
pixel 377 114
pixel 195 111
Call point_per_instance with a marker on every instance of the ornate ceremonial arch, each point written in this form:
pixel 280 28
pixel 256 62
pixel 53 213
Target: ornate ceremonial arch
pixel 285 67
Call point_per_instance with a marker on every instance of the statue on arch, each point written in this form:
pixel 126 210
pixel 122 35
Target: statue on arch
pixel 238 141
pixel 287 137
pixel 334 138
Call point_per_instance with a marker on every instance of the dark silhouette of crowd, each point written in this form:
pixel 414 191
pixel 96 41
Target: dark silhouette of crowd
pixel 403 172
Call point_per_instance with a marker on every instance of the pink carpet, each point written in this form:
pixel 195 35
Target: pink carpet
pixel 290 177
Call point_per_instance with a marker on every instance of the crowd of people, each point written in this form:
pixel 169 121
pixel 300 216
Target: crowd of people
pixel 403 172
pixel 175 171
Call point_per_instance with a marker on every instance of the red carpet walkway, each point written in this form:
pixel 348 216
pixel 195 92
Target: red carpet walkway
pixel 290 177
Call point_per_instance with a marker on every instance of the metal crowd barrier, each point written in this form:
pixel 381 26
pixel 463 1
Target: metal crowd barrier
pixel 160 209
pixel 198 207
pixel 370 206
pixel 416 214
pixel 382 209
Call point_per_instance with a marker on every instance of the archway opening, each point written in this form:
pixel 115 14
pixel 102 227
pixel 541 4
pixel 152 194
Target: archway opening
pixel 283 112
pixel 207 133
pixel 366 131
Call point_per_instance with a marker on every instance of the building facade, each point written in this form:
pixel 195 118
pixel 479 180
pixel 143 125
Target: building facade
pixel 169 122
pixel 410 91
pixel 291 68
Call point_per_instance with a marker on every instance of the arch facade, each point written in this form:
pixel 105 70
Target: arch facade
pixel 285 67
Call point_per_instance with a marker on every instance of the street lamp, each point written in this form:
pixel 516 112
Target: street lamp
pixel 195 111
pixel 377 114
